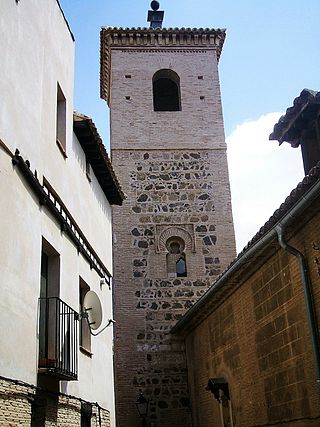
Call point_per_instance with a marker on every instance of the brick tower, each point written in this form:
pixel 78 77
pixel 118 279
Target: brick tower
pixel 174 234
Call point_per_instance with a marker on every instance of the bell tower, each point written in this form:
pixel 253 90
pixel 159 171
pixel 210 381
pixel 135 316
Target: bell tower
pixel 174 233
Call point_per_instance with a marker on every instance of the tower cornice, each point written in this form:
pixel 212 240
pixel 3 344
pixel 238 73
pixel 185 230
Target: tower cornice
pixel 149 38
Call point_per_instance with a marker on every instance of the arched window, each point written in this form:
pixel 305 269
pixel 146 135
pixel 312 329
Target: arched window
pixel 176 258
pixel 181 267
pixel 166 91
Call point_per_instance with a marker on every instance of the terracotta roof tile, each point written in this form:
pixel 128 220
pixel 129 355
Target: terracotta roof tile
pixel 289 127
pixel 97 156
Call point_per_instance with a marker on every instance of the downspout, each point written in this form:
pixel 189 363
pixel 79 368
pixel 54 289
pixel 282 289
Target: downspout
pixel 312 321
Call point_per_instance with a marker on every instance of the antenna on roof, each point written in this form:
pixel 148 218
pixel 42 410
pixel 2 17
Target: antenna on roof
pixel 155 16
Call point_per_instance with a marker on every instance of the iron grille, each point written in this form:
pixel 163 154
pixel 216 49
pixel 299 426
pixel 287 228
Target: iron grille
pixel 58 339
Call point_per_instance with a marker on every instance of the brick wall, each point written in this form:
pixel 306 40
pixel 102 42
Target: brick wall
pixel 258 340
pixel 135 124
pixel 15 408
pixel 24 406
pixel 172 166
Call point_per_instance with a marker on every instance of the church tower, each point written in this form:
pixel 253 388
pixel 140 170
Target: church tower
pixel 174 233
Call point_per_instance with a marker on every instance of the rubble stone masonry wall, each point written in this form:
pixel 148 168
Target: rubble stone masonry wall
pixel 169 193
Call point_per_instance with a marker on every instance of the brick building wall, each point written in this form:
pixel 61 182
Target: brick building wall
pixel 23 405
pixel 15 408
pixel 172 166
pixel 147 301
pixel 258 339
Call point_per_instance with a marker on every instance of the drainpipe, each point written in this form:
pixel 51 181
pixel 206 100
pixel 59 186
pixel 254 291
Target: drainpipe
pixel 312 321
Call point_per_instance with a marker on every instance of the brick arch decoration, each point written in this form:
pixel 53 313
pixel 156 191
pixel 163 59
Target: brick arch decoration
pixel 175 231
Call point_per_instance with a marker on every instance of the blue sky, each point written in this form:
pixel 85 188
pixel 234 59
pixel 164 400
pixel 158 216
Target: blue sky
pixel 270 54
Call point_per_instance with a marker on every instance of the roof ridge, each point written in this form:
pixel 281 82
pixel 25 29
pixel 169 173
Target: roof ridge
pixel 164 29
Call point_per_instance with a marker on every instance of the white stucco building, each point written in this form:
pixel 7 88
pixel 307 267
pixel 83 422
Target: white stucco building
pixel 57 186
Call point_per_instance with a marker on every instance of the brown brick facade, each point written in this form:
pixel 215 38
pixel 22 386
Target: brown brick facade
pixel 15 408
pixel 258 339
pixel 173 169
pixel 22 405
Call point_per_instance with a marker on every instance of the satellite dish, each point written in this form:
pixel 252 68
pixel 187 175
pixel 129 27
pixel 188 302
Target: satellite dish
pixel 92 307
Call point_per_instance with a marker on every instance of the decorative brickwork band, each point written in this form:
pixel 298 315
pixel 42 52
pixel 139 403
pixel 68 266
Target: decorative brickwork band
pixel 175 231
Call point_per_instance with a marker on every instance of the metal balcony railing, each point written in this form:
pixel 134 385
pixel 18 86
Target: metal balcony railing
pixel 58 339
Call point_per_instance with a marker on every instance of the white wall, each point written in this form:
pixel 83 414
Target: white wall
pixel 37 51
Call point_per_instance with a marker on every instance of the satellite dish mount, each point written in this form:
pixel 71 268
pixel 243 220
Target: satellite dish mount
pixel 92 312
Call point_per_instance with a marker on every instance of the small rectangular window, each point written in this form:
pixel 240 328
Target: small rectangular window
pixel 128 76
pixel 61 120
pixel 200 77
pixel 85 336
pixel 88 170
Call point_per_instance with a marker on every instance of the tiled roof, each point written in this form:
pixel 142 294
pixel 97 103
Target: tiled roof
pixel 306 107
pixel 164 30
pixel 305 188
pixel 97 156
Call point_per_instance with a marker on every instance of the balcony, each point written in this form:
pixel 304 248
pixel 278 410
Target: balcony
pixel 58 339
